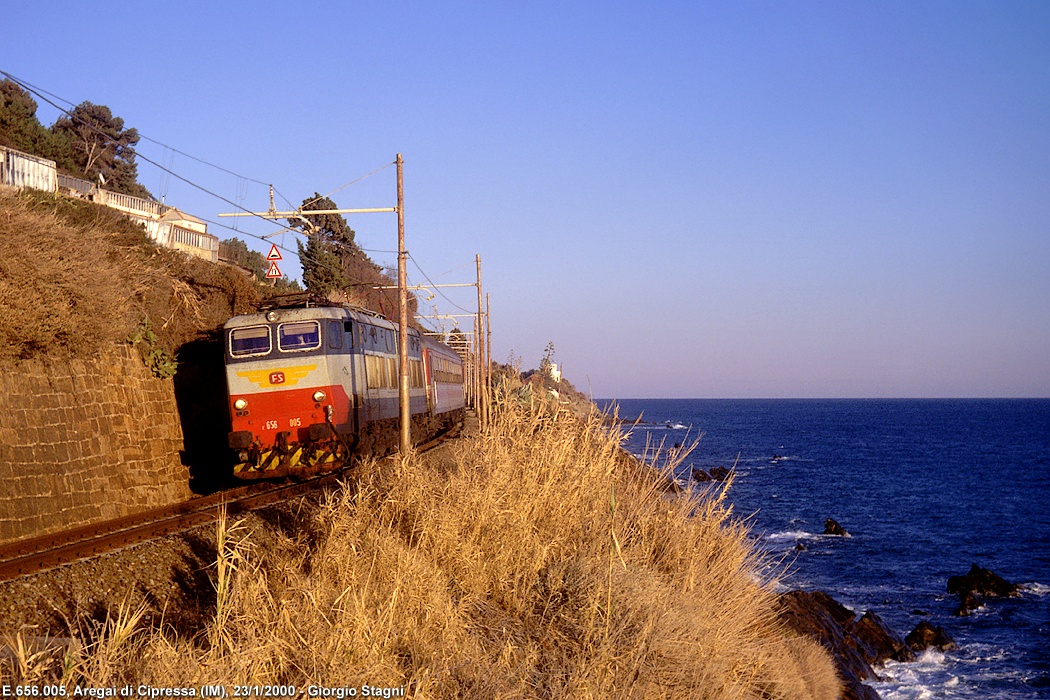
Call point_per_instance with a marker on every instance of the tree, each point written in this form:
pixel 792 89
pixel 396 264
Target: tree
pixel 236 251
pixel 102 146
pixel 21 129
pixel 326 258
pixel 332 262
pixel 322 272
pixel 547 363
pixel 457 339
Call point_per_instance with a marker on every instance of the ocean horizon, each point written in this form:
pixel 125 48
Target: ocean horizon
pixel 926 487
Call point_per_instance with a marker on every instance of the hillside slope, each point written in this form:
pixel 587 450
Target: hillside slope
pixel 533 560
pixel 75 277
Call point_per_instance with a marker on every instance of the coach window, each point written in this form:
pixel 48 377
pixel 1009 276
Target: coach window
pixel 300 335
pixel 335 335
pixel 348 328
pixel 245 342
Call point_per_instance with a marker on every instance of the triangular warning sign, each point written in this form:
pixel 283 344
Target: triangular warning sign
pixel 274 272
pixel 274 254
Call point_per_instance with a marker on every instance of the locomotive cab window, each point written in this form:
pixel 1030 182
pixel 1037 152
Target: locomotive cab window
pixel 300 335
pixel 250 341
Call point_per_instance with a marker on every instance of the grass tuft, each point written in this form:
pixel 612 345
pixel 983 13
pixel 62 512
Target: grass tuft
pixel 541 561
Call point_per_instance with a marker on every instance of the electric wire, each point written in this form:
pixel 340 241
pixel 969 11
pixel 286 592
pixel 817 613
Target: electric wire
pixel 45 95
pixel 352 182
pixel 40 92
pixel 436 288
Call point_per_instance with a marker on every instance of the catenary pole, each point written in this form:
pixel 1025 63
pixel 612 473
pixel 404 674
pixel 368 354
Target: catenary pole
pixel 488 351
pixel 482 394
pixel 402 302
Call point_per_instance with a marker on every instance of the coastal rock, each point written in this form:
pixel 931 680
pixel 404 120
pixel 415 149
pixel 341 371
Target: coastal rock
pixel 857 645
pixel 879 643
pixel 719 473
pixel 981 581
pixel 700 475
pixel 968 602
pixel 819 616
pixel 833 528
pixel 977 584
pixel 926 635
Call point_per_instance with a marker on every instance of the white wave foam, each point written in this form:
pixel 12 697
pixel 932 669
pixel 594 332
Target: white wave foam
pixel 792 535
pixel 931 659
pixel 978 653
pixel 779 586
pixel 1035 588
pixel 926 677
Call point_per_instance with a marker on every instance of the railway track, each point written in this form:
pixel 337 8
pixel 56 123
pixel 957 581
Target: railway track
pixel 38 554
pixel 45 552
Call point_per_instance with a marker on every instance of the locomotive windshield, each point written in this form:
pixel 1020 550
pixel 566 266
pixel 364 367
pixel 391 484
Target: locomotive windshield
pixel 301 335
pixel 250 341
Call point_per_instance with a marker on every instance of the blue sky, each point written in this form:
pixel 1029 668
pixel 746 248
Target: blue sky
pixel 725 199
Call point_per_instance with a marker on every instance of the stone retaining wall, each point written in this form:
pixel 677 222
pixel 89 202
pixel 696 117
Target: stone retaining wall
pixel 83 441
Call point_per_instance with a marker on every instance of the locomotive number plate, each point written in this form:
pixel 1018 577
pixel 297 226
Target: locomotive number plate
pixel 274 425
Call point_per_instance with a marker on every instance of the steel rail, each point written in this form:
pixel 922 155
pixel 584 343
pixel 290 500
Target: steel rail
pixel 45 552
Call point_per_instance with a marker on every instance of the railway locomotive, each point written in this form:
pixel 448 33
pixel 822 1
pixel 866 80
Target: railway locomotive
pixel 310 386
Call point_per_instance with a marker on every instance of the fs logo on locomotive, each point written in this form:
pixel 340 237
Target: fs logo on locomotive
pixel 289 376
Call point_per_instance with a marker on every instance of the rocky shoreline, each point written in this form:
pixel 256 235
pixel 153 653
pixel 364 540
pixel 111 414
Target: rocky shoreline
pixel 861 645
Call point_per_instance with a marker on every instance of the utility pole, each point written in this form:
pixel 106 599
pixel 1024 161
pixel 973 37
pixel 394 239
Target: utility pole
pixel 488 352
pixel 482 393
pixel 402 303
pixel 477 372
pixel 402 283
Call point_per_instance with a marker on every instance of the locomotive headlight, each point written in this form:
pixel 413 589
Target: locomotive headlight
pixel 319 396
pixel 240 404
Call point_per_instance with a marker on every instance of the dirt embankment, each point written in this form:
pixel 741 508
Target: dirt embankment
pixel 76 277
pixel 527 563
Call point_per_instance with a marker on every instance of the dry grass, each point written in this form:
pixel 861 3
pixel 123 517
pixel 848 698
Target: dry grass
pixel 540 562
pixel 75 277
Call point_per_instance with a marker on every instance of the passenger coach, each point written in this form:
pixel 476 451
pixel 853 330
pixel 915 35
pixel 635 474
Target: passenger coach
pixel 309 387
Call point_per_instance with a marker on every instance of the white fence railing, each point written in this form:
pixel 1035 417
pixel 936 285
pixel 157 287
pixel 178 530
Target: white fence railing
pixel 128 203
pixel 18 169
pixel 22 170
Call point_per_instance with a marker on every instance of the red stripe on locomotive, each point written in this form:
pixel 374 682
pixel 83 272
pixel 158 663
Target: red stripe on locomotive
pixel 294 410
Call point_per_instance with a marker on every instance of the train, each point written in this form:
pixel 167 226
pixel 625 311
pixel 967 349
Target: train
pixel 312 386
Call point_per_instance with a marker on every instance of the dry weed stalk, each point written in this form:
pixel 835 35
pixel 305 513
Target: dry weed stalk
pixel 22 661
pixel 543 563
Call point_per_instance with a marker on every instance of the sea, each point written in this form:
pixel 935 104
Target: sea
pixel 926 488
